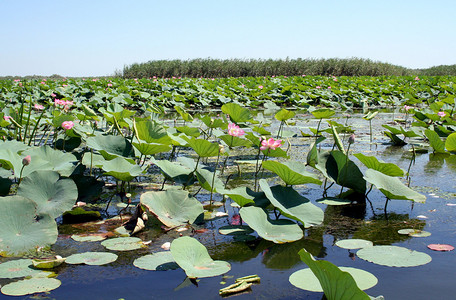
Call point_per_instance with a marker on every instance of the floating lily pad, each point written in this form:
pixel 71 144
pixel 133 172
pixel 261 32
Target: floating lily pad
pixel 17 268
pixel 440 247
pixel 278 231
pixel 414 232
pixel 92 258
pixel 172 207
pixel 394 256
pixel 159 261
pixel 52 195
pixel 306 280
pixel 30 286
pixel 88 237
pixel 193 257
pixel 354 243
pixel 20 230
pixel 123 243
pixel 235 230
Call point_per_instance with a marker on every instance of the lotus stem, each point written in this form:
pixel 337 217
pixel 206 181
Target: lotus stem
pixel 213 177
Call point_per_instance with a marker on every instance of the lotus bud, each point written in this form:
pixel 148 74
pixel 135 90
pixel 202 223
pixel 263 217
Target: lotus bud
pixel 351 139
pixel 26 160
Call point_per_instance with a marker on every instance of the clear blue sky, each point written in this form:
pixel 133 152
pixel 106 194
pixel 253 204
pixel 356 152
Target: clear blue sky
pixel 97 37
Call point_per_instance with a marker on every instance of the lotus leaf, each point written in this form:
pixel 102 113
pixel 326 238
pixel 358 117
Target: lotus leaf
pixel 88 237
pixel 21 231
pixel 111 146
pixel 337 139
pixel 235 288
pixel 291 172
pixel 237 113
pixel 371 162
pixel 206 177
pixel 305 279
pixel 52 195
pixel 152 132
pixel 345 172
pixel 244 196
pixel 202 147
pixel 5 186
pixel 48 263
pixel 414 232
pixel 121 169
pixel 123 243
pixel 354 244
pixel 284 115
pixel 189 131
pixel 30 286
pixel 392 187
pixel 278 231
pixel 92 258
pixel 235 230
pixel 175 171
pixel 17 268
pixel 450 143
pixel 234 141
pixel 151 148
pixel 393 256
pixel 434 140
pixel 50 159
pixel 334 201
pixel 159 261
pixel 323 113
pixel 336 284
pixel 193 257
pixel 292 204
pixel 172 207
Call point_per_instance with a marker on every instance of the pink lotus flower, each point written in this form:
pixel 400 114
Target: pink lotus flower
pixel 234 130
pixel 417 78
pixel 7 118
pixel 318 87
pixel 270 144
pixel 67 125
pixel 260 87
pixel 109 84
pixel 406 107
pixel 53 95
pixel 38 107
pixel 441 114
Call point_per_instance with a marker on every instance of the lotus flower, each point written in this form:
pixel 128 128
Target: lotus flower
pixel 234 130
pixel 7 118
pixel 441 114
pixel 270 144
pixel 26 160
pixel 39 107
pixel 67 125
pixel 406 107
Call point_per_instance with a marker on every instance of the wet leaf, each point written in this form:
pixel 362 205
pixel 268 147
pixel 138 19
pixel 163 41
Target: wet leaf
pixel 159 261
pixel 393 256
pixel 123 244
pixel 92 258
pixel 30 286
pixel 354 243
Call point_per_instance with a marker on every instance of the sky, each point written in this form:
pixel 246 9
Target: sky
pixel 98 37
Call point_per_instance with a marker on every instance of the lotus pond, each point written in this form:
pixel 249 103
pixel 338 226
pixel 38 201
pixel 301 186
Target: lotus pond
pixel 105 199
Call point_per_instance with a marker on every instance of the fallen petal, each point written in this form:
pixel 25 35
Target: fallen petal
pixel 440 247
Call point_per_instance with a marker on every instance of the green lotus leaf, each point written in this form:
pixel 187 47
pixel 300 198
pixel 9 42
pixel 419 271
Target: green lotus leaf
pixel 305 279
pixel 397 141
pixel 278 152
pixel 193 257
pixel 370 115
pixel 159 261
pixel 21 231
pixel 393 256
pixel 123 243
pixel 284 115
pixel 203 148
pixel 434 140
pixel 92 258
pixel 10 160
pixel 345 172
pixel 152 132
pixel 189 131
pixel 235 230
pixel 17 268
pixel 186 116
pixel 213 123
pixel 88 238
pixel 371 162
pixel 111 146
pixel 172 207
pixel 151 148
pixel 121 169
pixel 48 263
pixel 237 113
pixel 13 146
pixel 30 286
pixel 175 171
pixel 337 139
pixel 50 159
pixel 52 195
pixel 354 244
pixel 414 232
pixel 392 187
pixel 277 231
pixel 206 177
pixel 336 284
pixel 235 141
pixel 292 204
pixel 323 113
pixel 242 195
pixel 450 143
pixel 291 172
pixel 334 201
